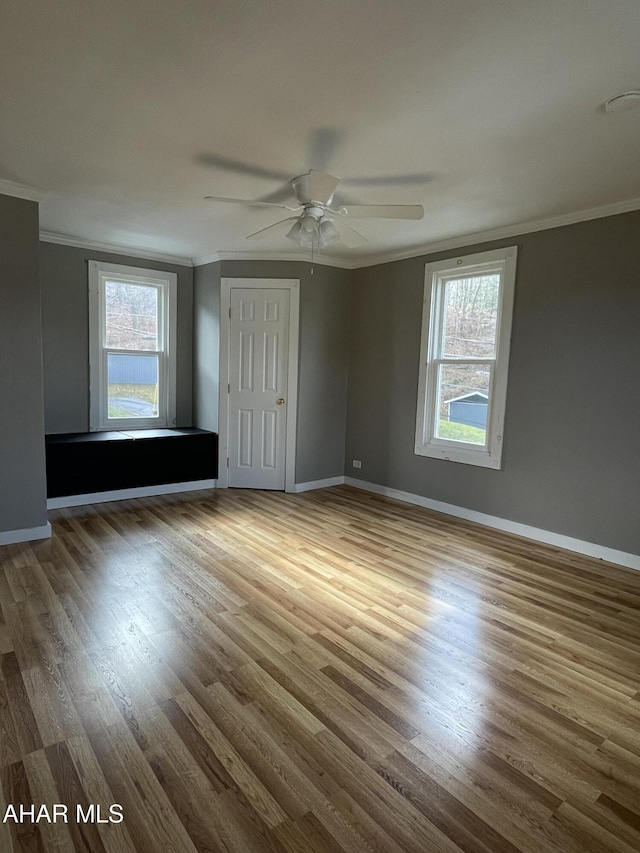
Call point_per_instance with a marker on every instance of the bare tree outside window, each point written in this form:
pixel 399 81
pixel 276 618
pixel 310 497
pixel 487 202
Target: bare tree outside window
pixel 132 316
pixel 469 332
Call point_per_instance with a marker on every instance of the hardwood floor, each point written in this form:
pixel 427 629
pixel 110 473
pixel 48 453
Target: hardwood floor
pixel 331 671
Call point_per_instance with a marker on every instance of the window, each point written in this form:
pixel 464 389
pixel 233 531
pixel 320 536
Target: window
pixel 132 346
pixel 464 357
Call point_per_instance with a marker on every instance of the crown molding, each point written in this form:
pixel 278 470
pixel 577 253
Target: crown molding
pixel 499 233
pixel 323 260
pixel 114 249
pixel 21 190
pixel 201 260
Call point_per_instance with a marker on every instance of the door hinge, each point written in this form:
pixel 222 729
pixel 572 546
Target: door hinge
pixel 227 461
pixel 229 313
pixel 229 388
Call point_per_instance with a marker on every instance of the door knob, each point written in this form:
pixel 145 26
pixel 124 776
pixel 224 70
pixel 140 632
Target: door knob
pixel 280 401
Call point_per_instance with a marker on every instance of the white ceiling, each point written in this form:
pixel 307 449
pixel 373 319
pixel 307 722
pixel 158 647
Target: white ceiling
pixel 488 112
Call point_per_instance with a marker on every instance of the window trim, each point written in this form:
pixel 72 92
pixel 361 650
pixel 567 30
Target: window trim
pixel 167 285
pixel 437 274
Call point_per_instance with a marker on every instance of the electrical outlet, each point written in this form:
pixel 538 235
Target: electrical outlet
pixel 356 463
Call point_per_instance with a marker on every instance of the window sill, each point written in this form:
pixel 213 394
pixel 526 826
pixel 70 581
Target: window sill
pixel 480 458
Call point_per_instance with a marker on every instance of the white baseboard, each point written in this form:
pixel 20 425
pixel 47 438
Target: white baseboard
pixel 126 494
pixel 28 534
pixel 318 484
pixel 590 549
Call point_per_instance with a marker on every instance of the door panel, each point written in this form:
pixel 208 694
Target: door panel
pixel 258 363
pixel 246 361
pixel 245 438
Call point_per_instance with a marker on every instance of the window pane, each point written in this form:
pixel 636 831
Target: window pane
pixel 470 316
pixel 463 402
pixel 132 386
pixel 132 316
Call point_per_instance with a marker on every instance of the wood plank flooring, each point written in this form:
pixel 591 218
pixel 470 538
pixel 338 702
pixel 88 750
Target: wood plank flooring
pixel 331 671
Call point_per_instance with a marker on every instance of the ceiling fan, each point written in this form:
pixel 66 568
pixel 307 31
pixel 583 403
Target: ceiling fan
pixel 317 222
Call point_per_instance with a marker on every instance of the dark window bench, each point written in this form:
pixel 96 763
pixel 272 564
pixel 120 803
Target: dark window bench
pixel 87 462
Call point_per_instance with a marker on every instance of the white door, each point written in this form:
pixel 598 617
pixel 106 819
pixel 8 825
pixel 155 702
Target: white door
pixel 258 366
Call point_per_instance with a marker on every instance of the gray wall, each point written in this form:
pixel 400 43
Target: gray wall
pixel 324 335
pixel 65 329
pixel 571 459
pixel 23 502
pixel 206 345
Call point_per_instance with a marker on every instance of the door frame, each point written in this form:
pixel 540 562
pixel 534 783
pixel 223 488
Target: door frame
pixel 293 286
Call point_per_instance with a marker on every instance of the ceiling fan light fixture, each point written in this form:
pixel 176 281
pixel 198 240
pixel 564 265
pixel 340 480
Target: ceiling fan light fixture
pixel 316 235
pixel 294 232
pixel 308 239
pixel 328 233
pixel 309 224
pixel 300 236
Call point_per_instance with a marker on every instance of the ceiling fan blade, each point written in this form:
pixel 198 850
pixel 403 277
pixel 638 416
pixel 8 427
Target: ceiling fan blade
pixel 227 200
pixel 344 200
pixel 349 236
pixel 281 196
pixel 384 211
pixel 269 227
pixel 322 144
pixel 388 180
pixel 216 161
pixel 321 186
